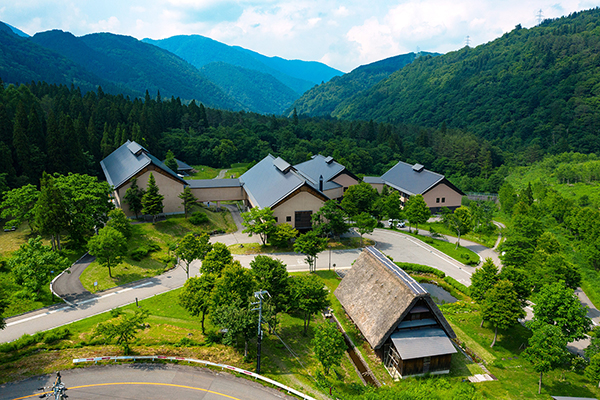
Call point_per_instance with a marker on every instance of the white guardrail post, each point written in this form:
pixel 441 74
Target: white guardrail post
pixel 193 360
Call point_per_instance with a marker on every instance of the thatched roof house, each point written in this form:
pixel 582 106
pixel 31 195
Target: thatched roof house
pixel 396 316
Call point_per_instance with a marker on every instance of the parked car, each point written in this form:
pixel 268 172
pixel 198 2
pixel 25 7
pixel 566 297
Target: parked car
pixel 394 223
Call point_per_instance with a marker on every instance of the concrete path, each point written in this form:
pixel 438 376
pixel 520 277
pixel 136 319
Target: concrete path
pixel 221 174
pixel 145 381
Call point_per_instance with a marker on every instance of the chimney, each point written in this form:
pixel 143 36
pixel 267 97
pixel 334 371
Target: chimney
pixel 321 183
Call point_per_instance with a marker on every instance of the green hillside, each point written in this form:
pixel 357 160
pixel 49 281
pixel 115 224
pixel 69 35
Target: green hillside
pixel 137 66
pixel 340 91
pixel 258 92
pixel 531 87
pixel 24 61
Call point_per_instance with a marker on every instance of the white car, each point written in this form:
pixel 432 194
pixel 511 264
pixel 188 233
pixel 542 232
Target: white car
pixel 394 223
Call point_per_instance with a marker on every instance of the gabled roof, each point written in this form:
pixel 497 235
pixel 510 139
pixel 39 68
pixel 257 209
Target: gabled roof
pixel 323 166
pixel 411 179
pixel 212 183
pixel 181 166
pixel 272 180
pixel 129 159
pixel 377 295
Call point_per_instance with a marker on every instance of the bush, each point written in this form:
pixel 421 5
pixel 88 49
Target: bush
pixel 142 251
pixel 420 268
pixel 23 341
pixel 199 218
pixel 457 285
pixel 185 342
pixel 56 335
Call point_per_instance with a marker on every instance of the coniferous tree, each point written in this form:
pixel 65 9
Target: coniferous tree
pixel 133 197
pixel 21 142
pixel 188 199
pixel 152 200
pixel 50 214
pixel 170 161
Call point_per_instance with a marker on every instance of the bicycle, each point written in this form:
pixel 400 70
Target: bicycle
pixel 58 389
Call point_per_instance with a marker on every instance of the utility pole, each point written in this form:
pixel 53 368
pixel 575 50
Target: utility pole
pixel 259 295
pixel 468 40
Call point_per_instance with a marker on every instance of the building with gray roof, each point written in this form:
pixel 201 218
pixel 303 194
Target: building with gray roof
pixel 132 160
pixel 332 176
pixel 396 316
pixel 276 184
pixel 410 180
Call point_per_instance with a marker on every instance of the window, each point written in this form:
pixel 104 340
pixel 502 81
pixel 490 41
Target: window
pixel 302 220
pixel 288 218
pixel 437 200
pixel 443 199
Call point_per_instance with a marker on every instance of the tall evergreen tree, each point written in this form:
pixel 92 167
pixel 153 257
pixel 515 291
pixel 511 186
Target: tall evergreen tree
pixel 152 200
pixel 21 142
pixel 50 214
pixel 133 197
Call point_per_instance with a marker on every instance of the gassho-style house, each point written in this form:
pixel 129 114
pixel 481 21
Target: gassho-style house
pixel 398 318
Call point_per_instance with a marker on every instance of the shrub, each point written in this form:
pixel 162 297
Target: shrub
pixel 420 268
pixel 56 335
pixel 457 285
pixel 185 342
pixel 142 251
pixel 199 218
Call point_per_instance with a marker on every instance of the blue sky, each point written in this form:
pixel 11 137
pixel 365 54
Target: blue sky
pixel 342 34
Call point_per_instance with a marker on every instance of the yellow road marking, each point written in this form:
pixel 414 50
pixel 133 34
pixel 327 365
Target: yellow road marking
pixel 136 383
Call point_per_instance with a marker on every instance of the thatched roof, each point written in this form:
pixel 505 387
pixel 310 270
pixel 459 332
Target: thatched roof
pixel 377 295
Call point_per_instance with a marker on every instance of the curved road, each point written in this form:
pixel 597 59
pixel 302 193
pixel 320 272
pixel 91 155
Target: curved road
pixel 145 381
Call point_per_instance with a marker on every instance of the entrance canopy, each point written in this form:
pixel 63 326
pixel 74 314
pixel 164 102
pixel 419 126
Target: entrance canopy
pixel 424 342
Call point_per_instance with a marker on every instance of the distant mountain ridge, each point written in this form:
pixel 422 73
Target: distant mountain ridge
pixel 325 99
pixel 129 63
pixel 199 51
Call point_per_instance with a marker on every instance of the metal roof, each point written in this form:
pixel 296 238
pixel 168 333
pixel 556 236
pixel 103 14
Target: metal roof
pixel 405 178
pixel 418 343
pixel 212 183
pixel 416 323
pixel 270 181
pixel 373 179
pixel 127 160
pixel 319 165
pixel 181 166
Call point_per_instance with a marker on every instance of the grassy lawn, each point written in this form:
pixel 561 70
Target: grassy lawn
pixel 488 239
pixel 206 172
pixel 163 233
pixel 516 377
pixel 461 254
pixel 257 248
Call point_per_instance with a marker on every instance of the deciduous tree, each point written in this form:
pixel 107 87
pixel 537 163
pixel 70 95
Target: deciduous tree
pixel 124 328
pixel 547 350
pixel 416 211
pixel 592 372
pixel 259 221
pixel 18 206
pixel 310 244
pixel 483 279
pixel 189 249
pixel 309 296
pixel 271 275
pixel 556 304
pixel 33 265
pixel 50 216
pixel 359 198
pixel 217 258
pixel 282 235
pixel 364 223
pixel 109 247
pixel 196 295
pixel 459 221
pixel 502 307
pixel 120 222
pixel 238 320
pixel 329 345
pixel 330 219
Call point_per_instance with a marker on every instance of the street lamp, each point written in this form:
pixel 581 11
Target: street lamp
pixel 329 257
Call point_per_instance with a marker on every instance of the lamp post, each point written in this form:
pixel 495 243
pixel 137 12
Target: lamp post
pixel 329 257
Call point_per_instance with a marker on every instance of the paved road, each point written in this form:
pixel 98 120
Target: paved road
pixel 401 247
pixel 68 285
pixel 146 381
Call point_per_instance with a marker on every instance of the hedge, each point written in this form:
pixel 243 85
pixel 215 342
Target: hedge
pixel 420 268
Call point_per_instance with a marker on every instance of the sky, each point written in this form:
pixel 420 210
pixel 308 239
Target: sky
pixel 341 34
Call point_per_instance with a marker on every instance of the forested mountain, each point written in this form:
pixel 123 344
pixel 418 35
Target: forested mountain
pixel 199 51
pixel 21 60
pixel 16 31
pixel 339 91
pixel 137 66
pixel 259 92
pixel 531 88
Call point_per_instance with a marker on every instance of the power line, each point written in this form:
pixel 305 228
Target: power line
pixel 540 16
pixel 468 41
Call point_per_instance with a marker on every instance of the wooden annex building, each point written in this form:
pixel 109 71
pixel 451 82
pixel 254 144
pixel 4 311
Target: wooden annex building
pixel 396 316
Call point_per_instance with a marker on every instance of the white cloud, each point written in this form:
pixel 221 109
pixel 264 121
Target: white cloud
pixel 106 25
pixel 341 12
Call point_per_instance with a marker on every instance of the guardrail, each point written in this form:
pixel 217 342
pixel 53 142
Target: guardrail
pixel 193 360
